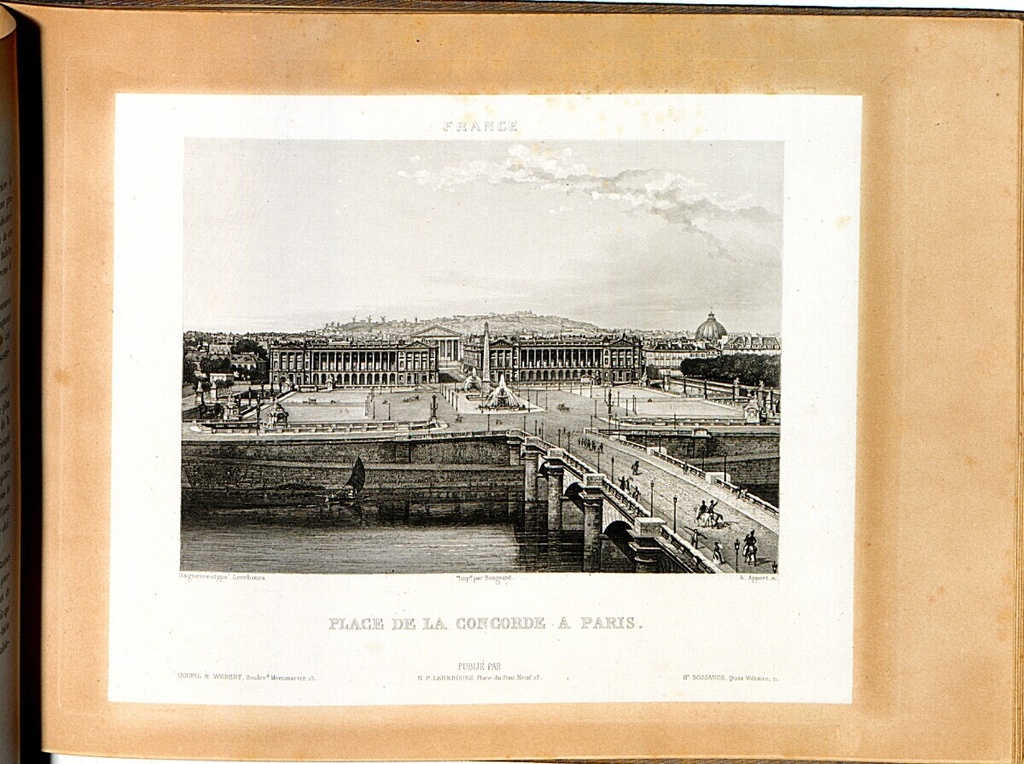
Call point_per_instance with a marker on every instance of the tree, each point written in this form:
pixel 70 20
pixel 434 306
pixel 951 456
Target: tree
pixel 219 365
pixel 188 370
pixel 749 367
pixel 246 345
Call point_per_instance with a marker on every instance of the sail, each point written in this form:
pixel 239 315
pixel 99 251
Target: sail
pixel 358 477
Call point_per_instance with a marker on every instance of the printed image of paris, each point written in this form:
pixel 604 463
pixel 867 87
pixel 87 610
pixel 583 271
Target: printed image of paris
pixel 481 356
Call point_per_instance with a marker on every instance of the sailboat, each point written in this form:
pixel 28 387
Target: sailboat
pixel 353 486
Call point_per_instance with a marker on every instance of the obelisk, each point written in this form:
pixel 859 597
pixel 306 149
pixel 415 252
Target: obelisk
pixel 485 378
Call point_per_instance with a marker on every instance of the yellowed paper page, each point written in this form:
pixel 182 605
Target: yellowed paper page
pixel 929 87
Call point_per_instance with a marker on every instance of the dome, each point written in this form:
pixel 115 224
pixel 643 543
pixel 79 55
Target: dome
pixel 711 330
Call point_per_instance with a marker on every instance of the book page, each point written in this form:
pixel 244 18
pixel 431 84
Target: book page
pixel 9 459
pixel 291 218
pixel 913 225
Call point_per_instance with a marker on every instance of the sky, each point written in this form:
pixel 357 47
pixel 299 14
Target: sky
pixel 288 235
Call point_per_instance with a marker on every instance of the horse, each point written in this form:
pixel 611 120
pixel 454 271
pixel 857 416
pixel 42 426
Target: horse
pixel 701 514
pixel 715 520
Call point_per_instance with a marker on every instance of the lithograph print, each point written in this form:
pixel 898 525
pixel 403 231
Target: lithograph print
pixel 408 390
pixel 490 356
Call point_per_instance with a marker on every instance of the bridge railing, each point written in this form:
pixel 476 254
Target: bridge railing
pixel 676 421
pixel 217 425
pixel 299 428
pixel 625 503
pixel 683 547
pixel 577 465
pixel 459 434
pixel 744 494
pixel 685 466
pixel 740 493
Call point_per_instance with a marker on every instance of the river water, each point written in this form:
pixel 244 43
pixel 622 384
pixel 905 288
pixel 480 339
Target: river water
pixel 398 536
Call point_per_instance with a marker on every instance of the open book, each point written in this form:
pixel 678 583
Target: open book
pixel 381 351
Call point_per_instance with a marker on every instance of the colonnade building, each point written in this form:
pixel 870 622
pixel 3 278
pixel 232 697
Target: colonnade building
pixel 448 343
pixel 616 360
pixel 352 365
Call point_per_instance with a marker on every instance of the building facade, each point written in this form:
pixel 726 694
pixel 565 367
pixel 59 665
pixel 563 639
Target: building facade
pixel 616 360
pixel 448 343
pixel 353 365
pixel 666 356
pixel 759 344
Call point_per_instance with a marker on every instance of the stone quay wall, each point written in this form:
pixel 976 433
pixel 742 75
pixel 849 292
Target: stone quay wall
pixel 468 463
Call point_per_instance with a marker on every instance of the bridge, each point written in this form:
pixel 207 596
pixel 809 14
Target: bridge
pixel 661 523
pixel 674 489
pixel 610 514
pixel 559 490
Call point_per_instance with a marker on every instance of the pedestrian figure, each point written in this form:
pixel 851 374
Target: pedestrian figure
pixel 750 555
pixel 717 555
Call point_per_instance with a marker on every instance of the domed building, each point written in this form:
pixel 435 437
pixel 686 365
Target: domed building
pixel 711 332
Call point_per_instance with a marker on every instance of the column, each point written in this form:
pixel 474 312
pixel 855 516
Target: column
pixel 555 469
pixel 593 506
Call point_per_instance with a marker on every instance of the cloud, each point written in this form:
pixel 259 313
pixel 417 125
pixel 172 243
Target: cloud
pixel 672 196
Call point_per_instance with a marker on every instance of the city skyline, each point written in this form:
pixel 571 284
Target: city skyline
pixel 649 235
pixel 443 321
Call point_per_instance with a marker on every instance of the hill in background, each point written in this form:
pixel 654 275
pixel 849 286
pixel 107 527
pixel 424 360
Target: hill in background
pixel 519 323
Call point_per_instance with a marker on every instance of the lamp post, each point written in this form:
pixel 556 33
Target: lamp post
pixel 652 496
pixel 736 546
pixel 675 503
pixel 613 468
